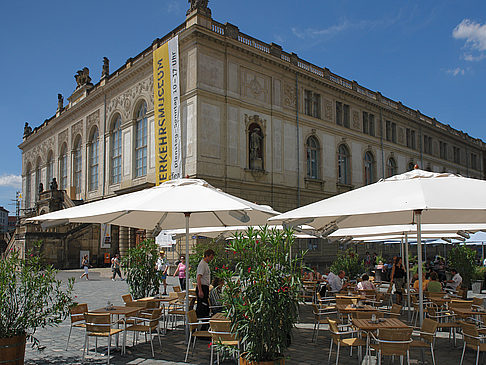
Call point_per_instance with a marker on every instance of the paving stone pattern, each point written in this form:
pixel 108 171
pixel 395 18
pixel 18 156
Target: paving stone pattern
pixel 100 289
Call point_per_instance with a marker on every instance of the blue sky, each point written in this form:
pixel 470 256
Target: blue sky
pixel 430 55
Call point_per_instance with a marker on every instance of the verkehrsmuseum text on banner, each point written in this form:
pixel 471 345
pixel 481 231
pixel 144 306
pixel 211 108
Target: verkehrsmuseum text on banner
pixel 167 111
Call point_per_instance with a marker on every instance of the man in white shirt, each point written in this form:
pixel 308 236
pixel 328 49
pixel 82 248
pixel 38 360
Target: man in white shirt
pixel 336 281
pixel 456 280
pixel 203 276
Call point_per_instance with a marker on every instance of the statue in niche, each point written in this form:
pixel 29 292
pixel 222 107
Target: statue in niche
pixel 256 148
pixel 82 77
pixel 41 187
pixel 27 130
pixel 60 102
pixel 53 184
pixel 105 71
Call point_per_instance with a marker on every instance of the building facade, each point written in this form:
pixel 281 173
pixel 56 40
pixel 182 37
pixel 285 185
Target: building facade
pixel 258 122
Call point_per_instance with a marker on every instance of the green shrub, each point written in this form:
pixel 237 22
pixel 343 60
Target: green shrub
pixel 463 259
pixel 349 262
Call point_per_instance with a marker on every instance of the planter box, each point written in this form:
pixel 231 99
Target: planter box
pixel 12 350
pixel 476 286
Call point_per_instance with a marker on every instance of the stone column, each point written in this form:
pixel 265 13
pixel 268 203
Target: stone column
pixel 132 237
pixel 123 240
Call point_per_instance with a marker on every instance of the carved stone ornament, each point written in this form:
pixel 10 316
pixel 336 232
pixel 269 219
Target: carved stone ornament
pixel 356 124
pixel 289 95
pixel 82 77
pixel 27 130
pixel 76 129
pixel 61 139
pixel 105 71
pixel 401 137
pixel 255 87
pixel 327 110
pixel 123 102
pixel 93 120
pixel 60 102
pixel 200 6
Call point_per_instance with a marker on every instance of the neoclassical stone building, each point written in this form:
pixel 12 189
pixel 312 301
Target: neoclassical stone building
pixel 257 122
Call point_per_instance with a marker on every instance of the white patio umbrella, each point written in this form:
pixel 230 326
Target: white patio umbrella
pixel 414 197
pixel 164 206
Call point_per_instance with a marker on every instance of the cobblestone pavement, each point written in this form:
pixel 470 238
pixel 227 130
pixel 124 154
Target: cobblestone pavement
pixel 100 289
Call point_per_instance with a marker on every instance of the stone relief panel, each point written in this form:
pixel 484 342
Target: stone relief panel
pixel 289 95
pixel 211 71
pixel 61 139
pixel 255 85
pixel 401 136
pixel 93 120
pixel 356 121
pixel 327 104
pixel 124 102
pixel 76 129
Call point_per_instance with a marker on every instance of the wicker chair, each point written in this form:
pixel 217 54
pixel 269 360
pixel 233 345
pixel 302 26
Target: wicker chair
pixel 99 325
pixel 147 325
pixel 195 331
pixel 339 338
pixel 320 317
pixel 393 342
pixel 472 340
pixel 221 334
pixel 427 338
pixel 77 318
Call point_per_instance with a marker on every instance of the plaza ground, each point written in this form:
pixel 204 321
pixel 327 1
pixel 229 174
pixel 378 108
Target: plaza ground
pixel 100 289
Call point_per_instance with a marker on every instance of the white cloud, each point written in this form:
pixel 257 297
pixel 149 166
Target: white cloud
pixel 475 36
pixel 11 180
pixel 456 71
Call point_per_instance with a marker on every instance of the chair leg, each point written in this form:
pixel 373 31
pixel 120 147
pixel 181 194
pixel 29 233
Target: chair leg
pixel 337 353
pixel 85 344
pixel 463 351
pixel 211 360
pixel 432 352
pixel 477 357
pixel 188 344
pixel 408 357
pixel 151 344
pixel 69 336
pixel 330 352
pixel 109 345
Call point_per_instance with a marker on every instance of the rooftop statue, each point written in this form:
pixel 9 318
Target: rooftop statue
pixel 60 102
pixel 105 71
pixel 27 130
pixel 198 5
pixel 82 77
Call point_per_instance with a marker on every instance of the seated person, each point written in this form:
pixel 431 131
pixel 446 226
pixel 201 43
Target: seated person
pixel 365 283
pixel 433 286
pixel 455 282
pixel 336 282
pixel 424 282
pixel 215 303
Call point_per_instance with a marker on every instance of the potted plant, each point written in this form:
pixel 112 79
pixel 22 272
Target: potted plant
pixel 463 259
pixel 140 267
pixel 261 295
pixel 349 262
pixel 30 298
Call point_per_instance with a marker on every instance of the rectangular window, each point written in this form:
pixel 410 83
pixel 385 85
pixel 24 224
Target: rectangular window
pixel 388 130
pixel 391 131
pixel 339 113
pixel 410 138
pixel 474 161
pixel 346 115
pixel 368 123
pixel 141 148
pixel 312 104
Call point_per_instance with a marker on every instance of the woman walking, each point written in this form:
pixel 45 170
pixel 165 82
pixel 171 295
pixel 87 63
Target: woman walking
pixel 398 278
pixel 85 265
pixel 181 270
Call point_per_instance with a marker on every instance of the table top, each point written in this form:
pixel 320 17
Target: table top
pixel 468 311
pixel 365 325
pixel 219 317
pixel 117 310
pixel 347 308
pixel 155 299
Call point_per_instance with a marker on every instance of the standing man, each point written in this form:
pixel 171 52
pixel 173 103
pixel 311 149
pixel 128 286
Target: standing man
pixel 162 268
pixel 203 276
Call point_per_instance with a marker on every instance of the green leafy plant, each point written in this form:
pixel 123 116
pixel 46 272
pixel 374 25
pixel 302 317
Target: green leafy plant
pixel 30 295
pixel 349 262
pixel 141 273
pixel 479 273
pixel 378 259
pixel 222 257
pixel 261 295
pixel 463 259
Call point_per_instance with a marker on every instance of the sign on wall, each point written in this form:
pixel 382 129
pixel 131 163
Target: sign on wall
pixel 105 235
pixel 167 111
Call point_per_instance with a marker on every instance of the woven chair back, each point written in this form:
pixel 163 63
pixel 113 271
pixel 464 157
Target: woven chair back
pixel 127 298
pixel 470 331
pixel 397 340
pixel 223 331
pixel 97 323
pixel 77 312
pixel 428 326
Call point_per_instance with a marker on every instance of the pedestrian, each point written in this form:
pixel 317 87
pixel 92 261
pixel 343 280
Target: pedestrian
pixel 115 267
pixel 162 266
pixel 397 277
pixel 203 276
pixel 85 266
pixel 181 270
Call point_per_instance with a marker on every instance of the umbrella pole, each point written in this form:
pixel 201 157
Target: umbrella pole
pixel 418 215
pixel 408 275
pixel 186 307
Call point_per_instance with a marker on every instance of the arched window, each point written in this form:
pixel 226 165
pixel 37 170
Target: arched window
pixel 77 165
pixel 28 187
pixel 38 180
pixel 343 165
pixel 141 141
pixel 63 167
pixel 255 150
pixel 50 169
pixel 116 151
pixel 391 167
pixel 368 168
pixel 312 147
pixel 93 161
